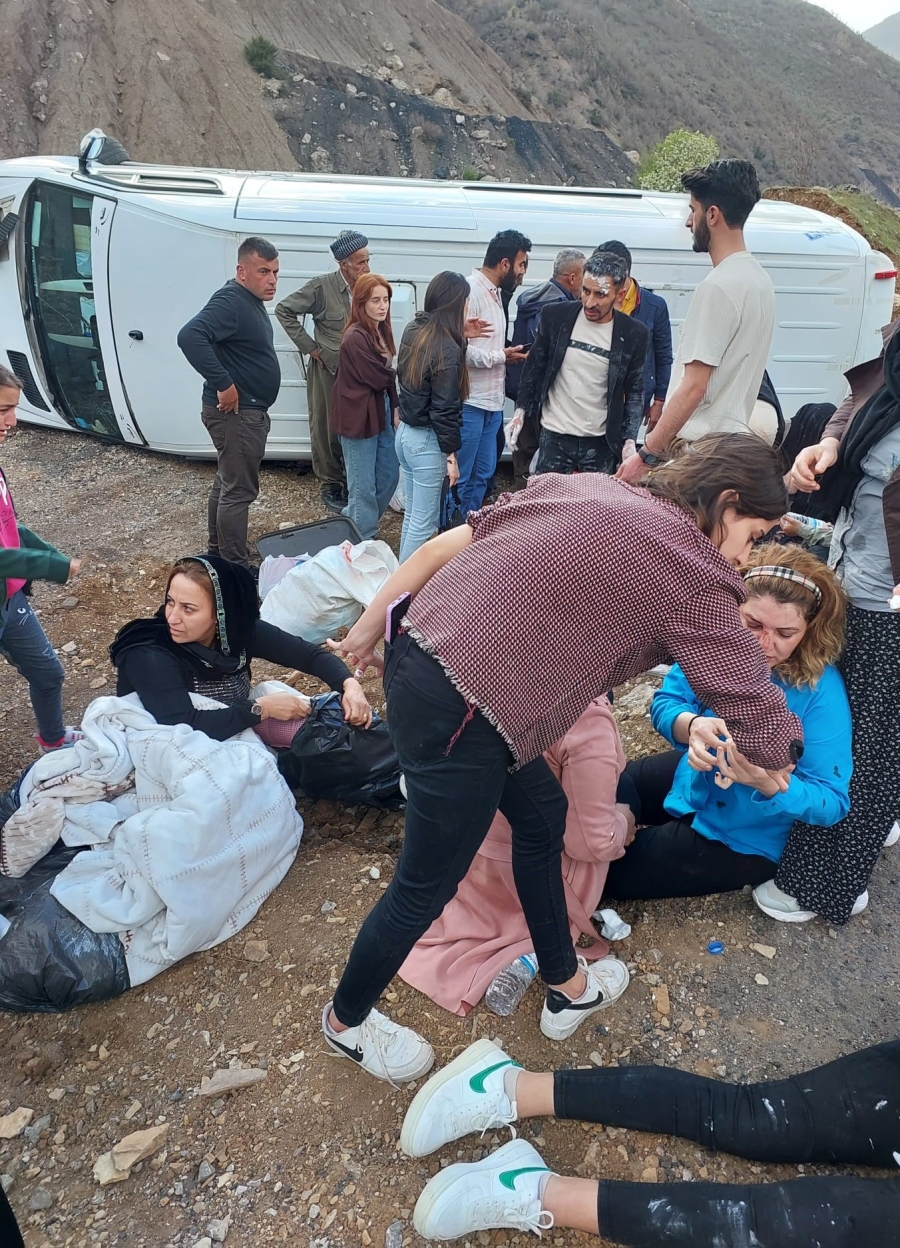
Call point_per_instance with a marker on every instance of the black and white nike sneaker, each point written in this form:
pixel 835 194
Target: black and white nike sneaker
pixel 386 1050
pixel 607 979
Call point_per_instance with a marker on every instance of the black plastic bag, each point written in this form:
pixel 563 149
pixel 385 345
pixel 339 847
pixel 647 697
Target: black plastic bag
pixel 329 758
pixel 451 512
pixel 49 960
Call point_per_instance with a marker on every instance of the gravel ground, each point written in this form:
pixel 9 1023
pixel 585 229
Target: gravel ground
pixel 309 1156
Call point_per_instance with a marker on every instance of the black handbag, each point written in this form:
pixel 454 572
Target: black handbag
pixel 452 514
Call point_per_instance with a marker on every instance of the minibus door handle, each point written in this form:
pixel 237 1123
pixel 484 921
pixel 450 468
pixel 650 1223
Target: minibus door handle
pixel 136 334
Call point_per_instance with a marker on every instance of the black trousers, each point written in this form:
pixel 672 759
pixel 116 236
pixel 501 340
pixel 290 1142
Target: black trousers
pixel 568 453
pixel 456 769
pixel 847 1112
pixel 10 1236
pixel 670 859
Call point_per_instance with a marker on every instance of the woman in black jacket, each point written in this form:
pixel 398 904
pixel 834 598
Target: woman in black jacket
pixel 202 640
pixel 432 383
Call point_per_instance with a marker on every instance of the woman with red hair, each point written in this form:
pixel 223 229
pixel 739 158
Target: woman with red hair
pixel 364 403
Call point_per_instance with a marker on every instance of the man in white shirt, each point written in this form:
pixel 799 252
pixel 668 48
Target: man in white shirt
pixel 504 268
pixel 726 336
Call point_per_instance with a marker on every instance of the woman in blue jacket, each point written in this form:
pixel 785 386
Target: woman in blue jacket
pixel 716 822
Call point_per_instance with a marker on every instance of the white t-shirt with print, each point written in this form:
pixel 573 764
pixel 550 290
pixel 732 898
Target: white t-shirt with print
pixel 578 399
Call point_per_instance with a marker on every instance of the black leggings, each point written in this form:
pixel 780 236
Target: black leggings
pixel 10 1235
pixel 670 859
pixel 847 1112
pixel 803 1213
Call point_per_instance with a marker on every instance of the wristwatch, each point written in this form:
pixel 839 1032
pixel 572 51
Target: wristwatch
pixel 651 460
pixel 256 709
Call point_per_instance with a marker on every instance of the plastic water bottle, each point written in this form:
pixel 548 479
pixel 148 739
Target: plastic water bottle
pixel 508 987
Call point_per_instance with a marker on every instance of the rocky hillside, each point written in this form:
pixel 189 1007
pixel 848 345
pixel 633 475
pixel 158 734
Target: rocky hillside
pixel 169 78
pixel 541 90
pixel 778 81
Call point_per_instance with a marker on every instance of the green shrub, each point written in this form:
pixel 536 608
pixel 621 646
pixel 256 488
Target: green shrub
pixel 260 56
pixel 595 117
pixel 679 151
pixel 555 98
pixel 471 174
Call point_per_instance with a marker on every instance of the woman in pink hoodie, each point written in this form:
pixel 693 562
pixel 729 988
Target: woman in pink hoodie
pixel 482 930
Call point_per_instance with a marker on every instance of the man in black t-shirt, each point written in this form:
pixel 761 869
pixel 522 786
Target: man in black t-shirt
pixel 230 344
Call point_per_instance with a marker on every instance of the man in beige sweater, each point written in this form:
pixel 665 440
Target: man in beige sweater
pixel 327 300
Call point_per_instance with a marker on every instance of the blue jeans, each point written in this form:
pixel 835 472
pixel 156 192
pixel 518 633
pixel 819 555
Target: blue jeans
pixel 372 476
pixel 424 466
pixel 24 644
pixel 477 457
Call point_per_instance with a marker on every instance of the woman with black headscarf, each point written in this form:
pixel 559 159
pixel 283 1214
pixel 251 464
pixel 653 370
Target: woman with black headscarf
pixel 826 871
pixel 203 639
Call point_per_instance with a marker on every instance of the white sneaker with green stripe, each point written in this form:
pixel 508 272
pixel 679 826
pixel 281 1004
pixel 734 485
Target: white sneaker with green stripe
pixel 466 1095
pixel 500 1192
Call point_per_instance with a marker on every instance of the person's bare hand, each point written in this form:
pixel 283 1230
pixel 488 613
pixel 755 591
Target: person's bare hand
pixel 358 649
pixel 357 710
pixel 452 469
pixel 316 355
pixel 284 706
pixel 631 470
pixel 789 526
pixel 895 598
pixel 515 355
pixel 630 825
pixel 656 410
pixel 75 566
pixel 707 733
pixel 475 327
pixel 229 400
pixel 810 463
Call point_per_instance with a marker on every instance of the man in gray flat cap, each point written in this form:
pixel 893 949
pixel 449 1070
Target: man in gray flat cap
pixel 327 300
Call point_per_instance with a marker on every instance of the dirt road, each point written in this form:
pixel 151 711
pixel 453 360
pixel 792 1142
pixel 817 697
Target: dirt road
pixel 310 1156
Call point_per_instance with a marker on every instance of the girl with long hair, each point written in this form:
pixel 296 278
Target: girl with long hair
pixel 433 384
pixel 519 619
pixel 364 403
pixel 716 821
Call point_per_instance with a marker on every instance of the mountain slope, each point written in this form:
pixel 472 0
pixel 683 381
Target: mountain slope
pixel 886 35
pixel 169 78
pixel 778 81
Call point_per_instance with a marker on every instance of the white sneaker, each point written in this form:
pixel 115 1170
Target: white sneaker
pixel 893 836
pixel 607 979
pixel 466 1095
pixel 500 1192
pixel 786 909
pixel 386 1050
pixel 68 739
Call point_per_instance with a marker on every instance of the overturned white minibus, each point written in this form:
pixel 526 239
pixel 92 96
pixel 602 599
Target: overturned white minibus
pixel 101 264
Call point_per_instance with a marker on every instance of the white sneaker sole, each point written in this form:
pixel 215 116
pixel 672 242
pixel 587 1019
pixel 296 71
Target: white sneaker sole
pixel 893 836
pixel 804 916
pixel 422 1099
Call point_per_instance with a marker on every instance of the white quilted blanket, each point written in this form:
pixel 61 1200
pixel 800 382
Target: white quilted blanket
pixel 189 835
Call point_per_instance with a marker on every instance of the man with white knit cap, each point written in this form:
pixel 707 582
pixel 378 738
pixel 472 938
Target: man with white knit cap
pixel 327 300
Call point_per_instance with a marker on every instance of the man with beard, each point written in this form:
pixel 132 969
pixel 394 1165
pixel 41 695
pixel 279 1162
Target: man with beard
pixel 504 268
pixel 726 336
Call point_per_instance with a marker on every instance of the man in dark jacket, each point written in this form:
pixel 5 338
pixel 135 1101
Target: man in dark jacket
pixel 231 345
pixel 653 311
pixel 563 287
pixel 584 377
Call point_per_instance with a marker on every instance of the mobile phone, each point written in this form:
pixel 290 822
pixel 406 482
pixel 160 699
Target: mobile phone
pixel 393 615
